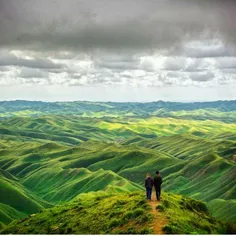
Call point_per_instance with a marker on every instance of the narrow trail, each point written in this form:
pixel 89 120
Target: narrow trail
pixel 159 219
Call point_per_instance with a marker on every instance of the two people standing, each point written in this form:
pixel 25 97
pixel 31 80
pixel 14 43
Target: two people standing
pixel 156 182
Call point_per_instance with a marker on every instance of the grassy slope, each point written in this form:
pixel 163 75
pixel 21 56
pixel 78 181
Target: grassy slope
pixel 221 207
pixel 8 214
pixel 92 213
pixel 169 154
pixel 189 162
pixel 49 170
pixel 119 214
pixel 73 130
pixel 16 200
pixel 60 185
pixel 188 216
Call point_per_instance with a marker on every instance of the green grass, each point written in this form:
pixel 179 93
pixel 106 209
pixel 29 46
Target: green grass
pixel 74 129
pixel 57 172
pixel 15 200
pixel 92 213
pixel 52 152
pixel 129 213
pixel 8 213
pixel 188 216
pixel 220 207
pixel 60 185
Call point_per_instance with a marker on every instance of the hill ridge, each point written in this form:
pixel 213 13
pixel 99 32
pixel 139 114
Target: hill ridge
pixel 122 214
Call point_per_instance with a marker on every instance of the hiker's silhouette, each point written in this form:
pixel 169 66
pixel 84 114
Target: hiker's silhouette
pixel 157 184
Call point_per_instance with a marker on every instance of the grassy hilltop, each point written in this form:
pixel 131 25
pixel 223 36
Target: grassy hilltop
pixel 53 153
pixel 103 213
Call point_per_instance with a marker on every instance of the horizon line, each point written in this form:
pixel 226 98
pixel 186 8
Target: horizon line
pixel 97 101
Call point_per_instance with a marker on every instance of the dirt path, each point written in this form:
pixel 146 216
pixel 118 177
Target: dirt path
pixel 159 219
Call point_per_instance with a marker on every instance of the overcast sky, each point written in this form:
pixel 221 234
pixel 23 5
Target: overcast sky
pixel 118 50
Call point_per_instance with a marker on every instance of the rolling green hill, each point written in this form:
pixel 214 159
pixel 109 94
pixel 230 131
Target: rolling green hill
pixel 51 153
pixel 74 130
pixel 66 171
pixel 16 200
pixel 61 185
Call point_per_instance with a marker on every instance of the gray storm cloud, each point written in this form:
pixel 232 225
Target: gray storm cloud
pixel 93 45
pixel 7 59
pixel 105 24
pixel 32 73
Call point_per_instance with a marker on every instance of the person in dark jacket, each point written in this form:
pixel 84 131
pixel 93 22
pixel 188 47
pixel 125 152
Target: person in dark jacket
pixel 157 184
pixel 148 186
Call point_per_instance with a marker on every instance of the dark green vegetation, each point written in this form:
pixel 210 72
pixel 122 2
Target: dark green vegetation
pixel 51 153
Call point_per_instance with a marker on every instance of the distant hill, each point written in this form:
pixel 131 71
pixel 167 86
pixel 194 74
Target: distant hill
pixel 73 130
pixel 218 110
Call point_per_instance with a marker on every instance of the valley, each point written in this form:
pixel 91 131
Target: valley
pixel 52 154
